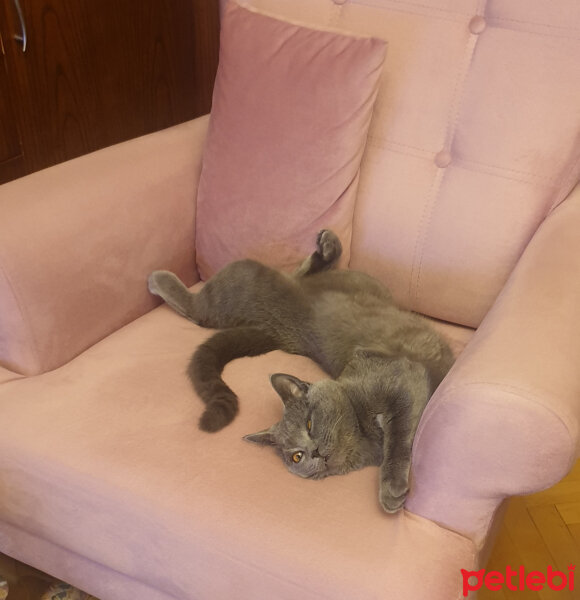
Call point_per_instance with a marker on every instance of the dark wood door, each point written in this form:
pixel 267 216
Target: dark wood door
pixel 97 72
pixel 11 159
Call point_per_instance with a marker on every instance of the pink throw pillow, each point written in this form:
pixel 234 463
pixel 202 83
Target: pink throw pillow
pixel 291 111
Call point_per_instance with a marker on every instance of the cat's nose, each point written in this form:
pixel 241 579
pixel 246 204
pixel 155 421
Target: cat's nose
pixel 316 454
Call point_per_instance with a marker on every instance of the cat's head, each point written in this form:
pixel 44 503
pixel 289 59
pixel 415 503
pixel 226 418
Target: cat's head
pixel 318 434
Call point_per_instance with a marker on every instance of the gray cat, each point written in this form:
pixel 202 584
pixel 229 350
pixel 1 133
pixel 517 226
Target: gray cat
pixel 385 362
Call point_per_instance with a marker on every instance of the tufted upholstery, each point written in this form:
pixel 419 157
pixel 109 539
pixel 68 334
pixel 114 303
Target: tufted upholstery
pixel 475 139
pixel 472 144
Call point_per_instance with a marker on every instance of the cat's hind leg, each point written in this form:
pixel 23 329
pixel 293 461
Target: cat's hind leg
pixel 167 286
pixel 328 251
pixel 244 292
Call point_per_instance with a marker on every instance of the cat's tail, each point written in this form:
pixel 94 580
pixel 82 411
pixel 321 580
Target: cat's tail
pixel 208 362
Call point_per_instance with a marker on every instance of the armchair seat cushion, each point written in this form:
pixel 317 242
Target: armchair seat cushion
pixel 102 459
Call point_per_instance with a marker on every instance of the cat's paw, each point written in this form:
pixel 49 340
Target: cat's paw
pixel 393 495
pixel 168 287
pixel 159 281
pixel 328 245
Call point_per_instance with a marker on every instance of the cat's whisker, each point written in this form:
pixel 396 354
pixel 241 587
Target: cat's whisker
pixel 336 424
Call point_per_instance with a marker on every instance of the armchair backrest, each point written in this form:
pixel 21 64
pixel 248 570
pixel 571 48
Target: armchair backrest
pixel 475 138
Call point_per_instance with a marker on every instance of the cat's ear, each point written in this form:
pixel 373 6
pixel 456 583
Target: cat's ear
pixel 267 437
pixel 288 387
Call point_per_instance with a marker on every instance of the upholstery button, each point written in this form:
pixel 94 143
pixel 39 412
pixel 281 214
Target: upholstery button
pixel 443 159
pixel 477 25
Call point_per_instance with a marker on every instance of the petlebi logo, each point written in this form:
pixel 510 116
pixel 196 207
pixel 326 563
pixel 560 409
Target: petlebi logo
pixel 518 579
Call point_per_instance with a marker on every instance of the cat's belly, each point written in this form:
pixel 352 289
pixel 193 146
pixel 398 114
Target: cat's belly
pixel 345 323
pixel 353 321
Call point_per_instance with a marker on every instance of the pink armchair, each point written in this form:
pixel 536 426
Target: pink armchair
pixel 466 207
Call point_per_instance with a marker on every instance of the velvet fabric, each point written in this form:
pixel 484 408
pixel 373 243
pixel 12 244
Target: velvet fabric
pixel 475 137
pixel 513 393
pixel 114 469
pixel 78 241
pixel 463 209
pixel 290 113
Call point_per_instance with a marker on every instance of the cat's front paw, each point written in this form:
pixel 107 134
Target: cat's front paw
pixel 328 245
pixel 393 495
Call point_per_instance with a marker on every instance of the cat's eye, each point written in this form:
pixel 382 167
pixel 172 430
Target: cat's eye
pixel 309 424
pixel 297 456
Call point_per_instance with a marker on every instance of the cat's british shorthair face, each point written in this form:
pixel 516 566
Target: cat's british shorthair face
pixel 318 434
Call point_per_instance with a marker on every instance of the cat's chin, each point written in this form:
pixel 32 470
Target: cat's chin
pixel 330 467
pixel 313 475
pixel 318 476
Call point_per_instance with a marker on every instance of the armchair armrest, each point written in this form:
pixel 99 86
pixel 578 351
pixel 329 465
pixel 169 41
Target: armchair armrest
pixel 78 241
pixel 506 419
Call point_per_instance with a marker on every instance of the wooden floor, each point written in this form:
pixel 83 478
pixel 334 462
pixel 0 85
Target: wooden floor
pixel 540 530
